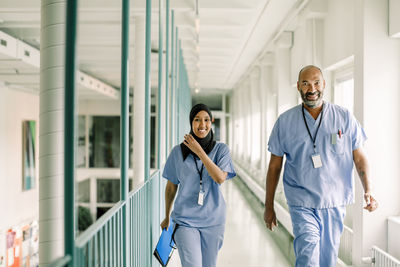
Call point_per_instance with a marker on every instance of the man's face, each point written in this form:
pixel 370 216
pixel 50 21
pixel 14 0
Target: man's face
pixel 311 86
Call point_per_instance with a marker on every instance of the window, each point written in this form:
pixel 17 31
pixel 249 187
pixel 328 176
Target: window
pixel 344 88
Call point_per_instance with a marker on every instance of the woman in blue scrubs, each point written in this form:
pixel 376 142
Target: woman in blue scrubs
pixel 195 170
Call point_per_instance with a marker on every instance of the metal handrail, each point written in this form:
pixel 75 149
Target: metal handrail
pixel 60 262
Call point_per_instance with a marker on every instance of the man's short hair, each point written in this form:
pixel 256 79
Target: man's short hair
pixel 309 67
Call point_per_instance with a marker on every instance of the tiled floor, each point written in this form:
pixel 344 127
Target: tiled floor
pixel 247 242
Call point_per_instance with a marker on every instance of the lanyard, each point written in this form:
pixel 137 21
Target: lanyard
pixel 308 130
pixel 200 173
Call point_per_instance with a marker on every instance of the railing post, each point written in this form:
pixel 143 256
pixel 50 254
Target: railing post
pixel 160 63
pixel 124 183
pixel 167 97
pixel 69 141
pixel 173 121
pixel 178 87
pixel 147 91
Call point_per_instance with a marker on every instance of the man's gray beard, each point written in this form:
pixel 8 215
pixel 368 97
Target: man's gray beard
pixel 313 104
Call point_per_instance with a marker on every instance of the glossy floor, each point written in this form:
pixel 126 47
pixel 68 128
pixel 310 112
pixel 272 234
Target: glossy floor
pixel 247 242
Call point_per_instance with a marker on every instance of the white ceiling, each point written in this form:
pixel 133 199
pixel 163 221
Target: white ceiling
pixel 232 34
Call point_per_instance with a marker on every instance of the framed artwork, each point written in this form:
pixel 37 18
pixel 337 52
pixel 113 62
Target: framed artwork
pixel 28 154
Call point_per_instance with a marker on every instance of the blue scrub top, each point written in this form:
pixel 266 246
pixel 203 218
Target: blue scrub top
pixel 184 173
pixel 332 184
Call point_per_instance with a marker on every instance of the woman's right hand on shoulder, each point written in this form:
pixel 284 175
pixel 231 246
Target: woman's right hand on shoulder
pixel 165 224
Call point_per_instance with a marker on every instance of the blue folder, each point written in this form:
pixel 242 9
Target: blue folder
pixel 165 245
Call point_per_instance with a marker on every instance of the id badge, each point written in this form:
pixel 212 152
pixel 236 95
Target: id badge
pixel 200 201
pixel 317 162
pixel 334 139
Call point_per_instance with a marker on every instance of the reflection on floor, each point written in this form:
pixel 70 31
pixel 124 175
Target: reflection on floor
pixel 247 243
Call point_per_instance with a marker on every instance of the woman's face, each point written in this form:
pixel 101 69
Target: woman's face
pixel 201 124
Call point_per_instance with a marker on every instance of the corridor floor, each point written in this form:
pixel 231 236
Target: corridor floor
pixel 247 242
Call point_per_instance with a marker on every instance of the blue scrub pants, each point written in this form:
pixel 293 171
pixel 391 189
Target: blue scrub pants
pixel 198 247
pixel 317 235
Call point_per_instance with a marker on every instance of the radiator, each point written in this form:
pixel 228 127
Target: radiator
pixel 381 258
pixel 346 245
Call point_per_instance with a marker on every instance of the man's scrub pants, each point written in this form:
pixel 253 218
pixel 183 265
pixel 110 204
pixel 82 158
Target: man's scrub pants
pixel 198 247
pixel 317 235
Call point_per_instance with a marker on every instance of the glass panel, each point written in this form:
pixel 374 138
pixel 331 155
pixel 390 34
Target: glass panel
pixel 84 191
pixel 217 129
pixel 104 148
pixel 81 153
pixel 101 211
pixel 108 191
pixel 153 142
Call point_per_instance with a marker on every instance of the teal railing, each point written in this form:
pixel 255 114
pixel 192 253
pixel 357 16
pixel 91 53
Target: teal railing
pixel 101 244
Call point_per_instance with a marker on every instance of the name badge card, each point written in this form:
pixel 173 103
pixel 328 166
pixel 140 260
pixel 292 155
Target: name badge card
pixel 201 198
pixel 317 162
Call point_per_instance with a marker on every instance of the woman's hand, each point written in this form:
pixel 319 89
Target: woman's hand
pixel 192 144
pixel 165 224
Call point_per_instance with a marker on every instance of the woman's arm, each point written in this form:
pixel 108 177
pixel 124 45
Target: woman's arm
pixel 170 192
pixel 215 172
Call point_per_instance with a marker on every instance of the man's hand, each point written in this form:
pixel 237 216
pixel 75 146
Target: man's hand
pixel 270 218
pixel 372 204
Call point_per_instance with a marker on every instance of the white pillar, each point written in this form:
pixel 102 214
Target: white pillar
pixel 287 95
pixel 223 127
pixel 263 88
pixel 233 125
pixel 246 121
pixel 255 117
pixel 138 101
pixel 51 136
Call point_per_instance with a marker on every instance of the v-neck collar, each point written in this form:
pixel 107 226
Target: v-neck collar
pixel 310 118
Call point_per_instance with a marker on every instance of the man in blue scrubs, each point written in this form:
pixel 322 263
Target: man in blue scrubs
pixel 320 141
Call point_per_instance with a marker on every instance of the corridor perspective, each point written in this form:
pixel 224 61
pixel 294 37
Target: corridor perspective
pixel 96 94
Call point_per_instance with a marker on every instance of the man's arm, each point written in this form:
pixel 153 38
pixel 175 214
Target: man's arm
pixel 274 171
pixel 362 166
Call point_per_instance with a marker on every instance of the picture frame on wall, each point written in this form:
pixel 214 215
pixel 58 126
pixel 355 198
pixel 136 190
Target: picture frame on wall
pixel 28 154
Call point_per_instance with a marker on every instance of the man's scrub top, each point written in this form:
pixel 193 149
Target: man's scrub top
pixel 186 210
pixel 332 184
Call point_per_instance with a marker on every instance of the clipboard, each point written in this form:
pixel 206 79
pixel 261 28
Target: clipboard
pixel 165 245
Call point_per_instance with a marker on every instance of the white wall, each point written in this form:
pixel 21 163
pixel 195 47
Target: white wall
pixel 17 206
pixel 338 32
pixel 377 94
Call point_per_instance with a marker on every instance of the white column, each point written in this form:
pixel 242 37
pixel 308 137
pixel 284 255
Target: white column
pixel 263 88
pixel 267 109
pixel 255 117
pixel 138 101
pixel 233 124
pixel 240 126
pixel 223 120
pixel 247 121
pixel 51 133
pixel 376 61
pixel 287 95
